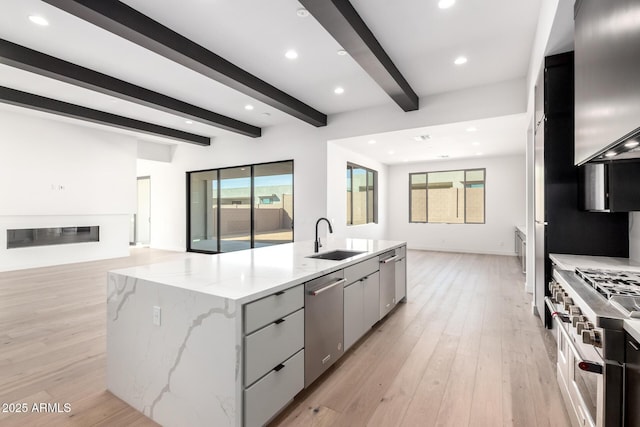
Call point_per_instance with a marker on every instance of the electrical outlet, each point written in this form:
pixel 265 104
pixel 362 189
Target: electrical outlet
pixel 156 315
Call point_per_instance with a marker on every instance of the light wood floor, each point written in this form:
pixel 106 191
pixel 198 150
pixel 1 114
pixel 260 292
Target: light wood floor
pixel 464 351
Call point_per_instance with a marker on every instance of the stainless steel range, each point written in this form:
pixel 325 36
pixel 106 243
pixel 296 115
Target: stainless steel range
pixel 621 288
pixel 590 335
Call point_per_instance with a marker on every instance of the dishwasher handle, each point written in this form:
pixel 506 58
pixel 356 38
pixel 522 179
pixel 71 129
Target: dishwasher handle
pixel 384 261
pixel 326 288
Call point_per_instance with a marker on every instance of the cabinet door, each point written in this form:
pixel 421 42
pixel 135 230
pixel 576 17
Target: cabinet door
pixel 632 382
pixel 371 300
pixel 353 313
pixel 387 287
pixel 401 279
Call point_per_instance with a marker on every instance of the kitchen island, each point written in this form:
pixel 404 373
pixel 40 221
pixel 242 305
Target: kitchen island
pixel 219 339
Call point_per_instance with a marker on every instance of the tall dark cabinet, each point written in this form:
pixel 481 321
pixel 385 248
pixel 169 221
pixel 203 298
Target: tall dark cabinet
pixel 560 225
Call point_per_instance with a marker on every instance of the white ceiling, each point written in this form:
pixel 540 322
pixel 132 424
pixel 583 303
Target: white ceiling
pixel 488 137
pixel 422 40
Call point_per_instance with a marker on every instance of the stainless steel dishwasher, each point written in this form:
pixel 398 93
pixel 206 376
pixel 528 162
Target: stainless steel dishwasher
pixel 323 324
pixel 387 282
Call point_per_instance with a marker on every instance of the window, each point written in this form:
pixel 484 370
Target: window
pixel 362 195
pixel 452 197
pixel 239 208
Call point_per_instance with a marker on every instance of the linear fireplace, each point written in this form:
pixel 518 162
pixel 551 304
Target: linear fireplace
pixel 28 237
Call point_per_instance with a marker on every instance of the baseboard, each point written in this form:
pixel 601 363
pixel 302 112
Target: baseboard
pixel 458 250
pixel 168 248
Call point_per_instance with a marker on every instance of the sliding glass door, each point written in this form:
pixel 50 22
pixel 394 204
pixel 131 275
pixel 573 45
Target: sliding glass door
pixel 239 208
pixel 203 211
pixel 235 209
pixel 273 203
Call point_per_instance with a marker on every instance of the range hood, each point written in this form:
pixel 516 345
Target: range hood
pixel 610 186
pixel 607 92
pixel 627 147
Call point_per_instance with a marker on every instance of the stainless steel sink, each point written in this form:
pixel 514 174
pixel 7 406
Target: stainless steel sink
pixel 337 255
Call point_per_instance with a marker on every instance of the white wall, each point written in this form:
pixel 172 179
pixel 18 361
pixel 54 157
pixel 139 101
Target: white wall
pixel 57 174
pixel 299 142
pixel 337 158
pixel 307 146
pixel 504 203
pixel 96 169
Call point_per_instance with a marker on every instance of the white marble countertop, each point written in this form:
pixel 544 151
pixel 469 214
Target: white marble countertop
pixel 247 275
pixel 570 262
pixel 522 229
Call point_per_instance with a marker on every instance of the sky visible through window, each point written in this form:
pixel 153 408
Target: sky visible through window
pixel 271 180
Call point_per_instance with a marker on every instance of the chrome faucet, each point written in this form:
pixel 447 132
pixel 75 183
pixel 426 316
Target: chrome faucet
pixel 317 245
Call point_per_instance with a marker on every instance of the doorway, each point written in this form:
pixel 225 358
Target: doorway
pixel 140 233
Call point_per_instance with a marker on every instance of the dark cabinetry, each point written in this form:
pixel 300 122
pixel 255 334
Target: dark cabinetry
pixel 631 382
pixel 560 225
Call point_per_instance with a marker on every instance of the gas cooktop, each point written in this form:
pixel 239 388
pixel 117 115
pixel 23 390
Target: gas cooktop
pixel 622 288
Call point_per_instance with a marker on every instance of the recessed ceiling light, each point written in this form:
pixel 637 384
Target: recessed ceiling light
pixel 342 52
pixel 248 107
pixel 478 154
pixel 291 54
pixel 476 143
pixel 302 12
pixel 472 129
pixel 632 144
pixel 444 156
pixel 391 152
pixel 38 20
pixel 405 160
pixel 339 90
pixel 460 60
pixel 610 154
pixel 372 141
pixel 189 122
pixel 446 4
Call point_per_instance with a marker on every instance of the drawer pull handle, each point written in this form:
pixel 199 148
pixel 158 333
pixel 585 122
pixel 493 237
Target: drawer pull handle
pixel 277 322
pixel 279 367
pixel 326 288
pixel 279 293
pixel 633 345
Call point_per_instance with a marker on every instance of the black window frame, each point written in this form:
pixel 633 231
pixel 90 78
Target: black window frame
pixel 252 219
pixel 465 171
pixel 351 166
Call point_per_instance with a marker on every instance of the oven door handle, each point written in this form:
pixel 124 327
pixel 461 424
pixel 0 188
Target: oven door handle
pixel 585 365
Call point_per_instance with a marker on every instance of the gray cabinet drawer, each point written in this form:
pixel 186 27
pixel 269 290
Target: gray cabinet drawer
pixel 269 346
pixel 360 270
pixel 268 396
pixel 268 309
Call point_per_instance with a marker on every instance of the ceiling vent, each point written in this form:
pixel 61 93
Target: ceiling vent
pixel 422 138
